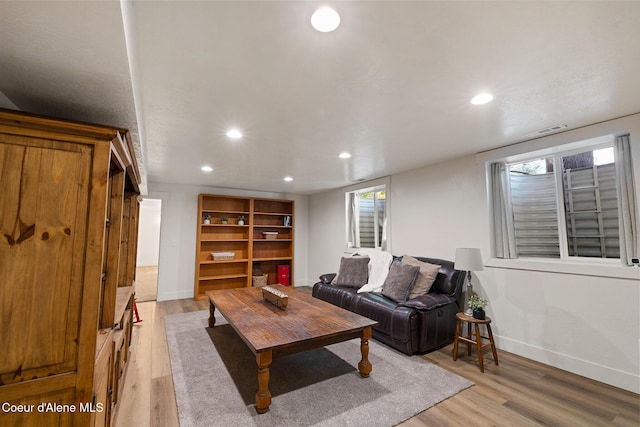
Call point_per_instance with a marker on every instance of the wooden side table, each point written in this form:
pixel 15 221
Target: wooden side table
pixel 472 321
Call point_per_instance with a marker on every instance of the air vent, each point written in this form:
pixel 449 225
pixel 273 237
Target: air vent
pixel 541 132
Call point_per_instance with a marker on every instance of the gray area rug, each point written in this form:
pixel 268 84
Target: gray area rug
pixel 215 380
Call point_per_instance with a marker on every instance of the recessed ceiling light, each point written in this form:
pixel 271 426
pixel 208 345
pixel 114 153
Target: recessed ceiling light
pixel 234 134
pixel 482 98
pixel 325 19
pixel 206 168
pixel 288 178
pixel 344 155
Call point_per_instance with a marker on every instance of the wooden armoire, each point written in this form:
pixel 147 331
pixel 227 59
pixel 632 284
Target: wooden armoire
pixel 69 197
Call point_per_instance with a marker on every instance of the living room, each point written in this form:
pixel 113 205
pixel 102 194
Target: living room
pixel 582 317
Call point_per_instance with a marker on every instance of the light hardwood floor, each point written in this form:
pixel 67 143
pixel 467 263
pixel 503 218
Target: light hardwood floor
pixel 518 392
pixel 146 283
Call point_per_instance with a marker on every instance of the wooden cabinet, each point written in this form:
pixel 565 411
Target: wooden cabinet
pixel 227 252
pixel 102 380
pixel 62 223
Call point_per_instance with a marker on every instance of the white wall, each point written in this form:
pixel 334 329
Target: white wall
pixel 578 321
pixel 176 269
pixel 149 233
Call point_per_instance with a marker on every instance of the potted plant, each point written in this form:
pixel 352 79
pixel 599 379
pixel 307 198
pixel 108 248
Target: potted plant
pixel 224 219
pixel 241 220
pixel 477 304
pixel 206 219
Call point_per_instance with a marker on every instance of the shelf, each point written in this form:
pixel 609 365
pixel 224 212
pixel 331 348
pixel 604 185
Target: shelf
pixel 224 261
pixel 273 259
pixel 260 215
pixel 224 225
pixel 273 213
pixel 224 277
pixel 225 212
pixel 224 240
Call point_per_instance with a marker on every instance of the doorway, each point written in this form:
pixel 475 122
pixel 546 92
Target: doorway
pixel 148 250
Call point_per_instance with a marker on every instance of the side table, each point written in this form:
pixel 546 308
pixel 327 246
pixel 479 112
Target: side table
pixel 475 323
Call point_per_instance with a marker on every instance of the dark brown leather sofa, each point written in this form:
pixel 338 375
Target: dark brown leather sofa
pixel 419 325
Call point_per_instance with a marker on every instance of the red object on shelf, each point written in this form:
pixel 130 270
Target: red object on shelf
pixel 283 274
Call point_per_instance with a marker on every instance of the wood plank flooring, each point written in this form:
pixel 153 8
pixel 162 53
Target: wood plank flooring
pixel 518 392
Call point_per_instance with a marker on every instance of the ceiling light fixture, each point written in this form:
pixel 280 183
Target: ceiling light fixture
pixel 206 168
pixel 288 178
pixel 482 98
pixel 325 19
pixel 344 155
pixel 234 134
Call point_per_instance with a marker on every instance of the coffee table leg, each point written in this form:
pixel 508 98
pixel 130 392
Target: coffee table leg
pixel 364 367
pixel 263 397
pixel 212 317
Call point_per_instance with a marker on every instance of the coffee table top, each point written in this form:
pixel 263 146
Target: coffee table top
pixel 265 327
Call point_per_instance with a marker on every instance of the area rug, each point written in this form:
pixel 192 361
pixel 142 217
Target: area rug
pixel 215 381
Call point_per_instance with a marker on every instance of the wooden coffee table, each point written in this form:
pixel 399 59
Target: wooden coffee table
pixel 306 324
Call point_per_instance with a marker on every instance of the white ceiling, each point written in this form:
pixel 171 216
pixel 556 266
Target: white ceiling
pixel 391 85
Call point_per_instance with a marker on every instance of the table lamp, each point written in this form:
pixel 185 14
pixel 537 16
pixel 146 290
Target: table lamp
pixel 468 259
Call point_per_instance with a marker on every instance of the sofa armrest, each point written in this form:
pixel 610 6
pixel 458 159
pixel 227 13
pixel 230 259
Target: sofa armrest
pixel 328 278
pixel 429 301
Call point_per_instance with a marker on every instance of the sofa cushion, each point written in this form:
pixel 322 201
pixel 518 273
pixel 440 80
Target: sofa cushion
pixel 336 295
pixel 354 272
pixel 429 301
pixel 425 279
pixel 400 280
pixel 393 320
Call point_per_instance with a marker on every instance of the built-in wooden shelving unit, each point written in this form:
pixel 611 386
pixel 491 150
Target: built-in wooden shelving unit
pixel 265 241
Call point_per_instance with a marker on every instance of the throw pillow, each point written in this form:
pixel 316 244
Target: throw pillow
pixel 354 272
pixel 399 282
pixel 428 274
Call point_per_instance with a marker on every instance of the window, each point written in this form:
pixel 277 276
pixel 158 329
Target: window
pixel 588 199
pixel 367 217
pixel 559 203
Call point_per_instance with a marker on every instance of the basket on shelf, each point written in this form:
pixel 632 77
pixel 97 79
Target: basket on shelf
pixel 223 256
pixel 259 281
pixel 270 235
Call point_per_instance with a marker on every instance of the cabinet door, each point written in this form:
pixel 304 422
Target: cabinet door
pixel 102 384
pixel 44 196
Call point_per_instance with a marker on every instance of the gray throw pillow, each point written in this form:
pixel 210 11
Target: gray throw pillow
pixel 399 282
pixel 424 281
pixel 354 272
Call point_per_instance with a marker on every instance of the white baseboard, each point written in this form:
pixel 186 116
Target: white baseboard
pixel 605 374
pixel 167 296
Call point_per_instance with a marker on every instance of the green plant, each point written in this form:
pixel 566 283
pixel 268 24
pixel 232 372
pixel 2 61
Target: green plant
pixel 477 303
pixel 207 216
pixel 241 218
pixel 224 218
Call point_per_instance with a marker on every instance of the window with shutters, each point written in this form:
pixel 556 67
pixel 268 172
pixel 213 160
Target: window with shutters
pixel 565 205
pixel 367 217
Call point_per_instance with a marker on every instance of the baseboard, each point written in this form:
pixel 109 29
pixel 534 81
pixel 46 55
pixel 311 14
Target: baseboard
pixel 168 296
pixel 605 374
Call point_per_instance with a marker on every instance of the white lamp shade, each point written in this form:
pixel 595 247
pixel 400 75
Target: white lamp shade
pixel 468 259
